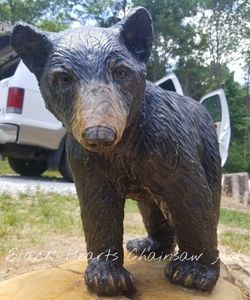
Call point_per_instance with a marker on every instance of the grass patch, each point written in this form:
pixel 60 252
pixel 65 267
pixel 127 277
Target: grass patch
pixel 27 219
pixel 135 229
pixel 52 173
pixel 5 169
pixel 236 241
pixel 235 218
pixel 131 206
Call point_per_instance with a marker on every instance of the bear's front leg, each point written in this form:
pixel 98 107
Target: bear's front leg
pixel 102 217
pixel 102 213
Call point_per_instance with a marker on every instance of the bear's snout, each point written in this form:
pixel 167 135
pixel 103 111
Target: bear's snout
pixel 99 117
pixel 99 137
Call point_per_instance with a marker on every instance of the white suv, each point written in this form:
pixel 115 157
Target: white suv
pixel 33 140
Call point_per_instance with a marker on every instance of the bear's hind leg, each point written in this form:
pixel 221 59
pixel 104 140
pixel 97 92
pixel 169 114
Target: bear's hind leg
pixel 194 209
pixel 161 236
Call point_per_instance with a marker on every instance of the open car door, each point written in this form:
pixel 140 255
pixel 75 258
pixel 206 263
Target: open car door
pixel 216 104
pixel 170 82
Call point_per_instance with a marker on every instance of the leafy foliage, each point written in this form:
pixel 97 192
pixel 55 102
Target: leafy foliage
pixel 16 10
pixel 43 13
pixel 239 152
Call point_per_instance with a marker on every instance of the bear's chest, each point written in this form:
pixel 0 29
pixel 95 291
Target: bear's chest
pixel 140 176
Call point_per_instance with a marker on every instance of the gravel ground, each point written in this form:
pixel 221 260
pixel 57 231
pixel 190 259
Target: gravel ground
pixel 16 184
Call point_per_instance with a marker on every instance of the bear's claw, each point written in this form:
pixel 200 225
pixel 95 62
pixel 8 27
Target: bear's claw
pixel 192 275
pixel 108 278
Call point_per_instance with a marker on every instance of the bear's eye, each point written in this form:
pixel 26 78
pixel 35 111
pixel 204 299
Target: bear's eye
pixel 62 80
pixel 121 74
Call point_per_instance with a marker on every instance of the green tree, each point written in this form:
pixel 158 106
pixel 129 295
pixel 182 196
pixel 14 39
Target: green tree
pixel 16 10
pixel 46 14
pixel 236 94
pixel 239 155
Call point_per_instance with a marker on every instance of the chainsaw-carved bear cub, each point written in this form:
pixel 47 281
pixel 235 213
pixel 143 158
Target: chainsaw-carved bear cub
pixel 126 137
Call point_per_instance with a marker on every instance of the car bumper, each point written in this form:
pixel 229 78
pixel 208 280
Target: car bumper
pixel 8 133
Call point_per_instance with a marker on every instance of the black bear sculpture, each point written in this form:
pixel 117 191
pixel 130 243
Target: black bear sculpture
pixel 126 137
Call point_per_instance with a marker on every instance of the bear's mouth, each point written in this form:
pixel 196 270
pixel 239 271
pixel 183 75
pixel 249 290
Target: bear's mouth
pixel 99 138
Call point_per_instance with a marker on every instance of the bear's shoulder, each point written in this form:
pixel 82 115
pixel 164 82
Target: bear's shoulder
pixel 164 103
pixel 168 112
pixel 172 121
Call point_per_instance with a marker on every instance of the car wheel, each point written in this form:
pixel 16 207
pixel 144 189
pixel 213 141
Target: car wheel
pixel 64 168
pixel 27 167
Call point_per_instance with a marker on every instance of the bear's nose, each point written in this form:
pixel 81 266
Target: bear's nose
pixel 99 136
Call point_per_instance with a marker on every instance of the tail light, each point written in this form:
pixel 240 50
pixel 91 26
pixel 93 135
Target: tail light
pixel 15 100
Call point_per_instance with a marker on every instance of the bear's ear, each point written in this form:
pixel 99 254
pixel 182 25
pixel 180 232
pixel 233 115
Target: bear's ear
pixel 32 45
pixel 136 32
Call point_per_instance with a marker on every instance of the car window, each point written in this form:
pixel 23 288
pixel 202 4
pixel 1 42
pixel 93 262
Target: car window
pixel 213 105
pixel 8 68
pixel 168 85
pixel 8 58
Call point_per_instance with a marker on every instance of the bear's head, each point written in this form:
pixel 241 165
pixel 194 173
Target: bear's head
pixel 92 79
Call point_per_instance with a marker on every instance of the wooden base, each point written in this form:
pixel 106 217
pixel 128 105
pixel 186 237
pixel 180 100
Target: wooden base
pixel 65 282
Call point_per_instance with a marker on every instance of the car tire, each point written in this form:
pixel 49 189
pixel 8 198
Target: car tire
pixel 64 168
pixel 27 167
